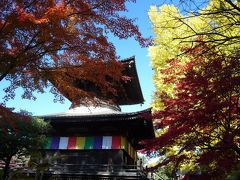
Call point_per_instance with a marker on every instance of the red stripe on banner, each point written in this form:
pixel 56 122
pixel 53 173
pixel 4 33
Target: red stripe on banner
pixel 72 142
pixel 116 142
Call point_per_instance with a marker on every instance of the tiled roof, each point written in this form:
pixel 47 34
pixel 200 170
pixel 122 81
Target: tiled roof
pixel 100 114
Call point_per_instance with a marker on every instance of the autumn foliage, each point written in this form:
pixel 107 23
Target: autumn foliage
pixel 51 43
pixel 37 37
pixel 61 41
pixel 19 133
pixel 200 124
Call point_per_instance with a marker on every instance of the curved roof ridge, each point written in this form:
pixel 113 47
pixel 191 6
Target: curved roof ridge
pixel 128 59
pixel 110 114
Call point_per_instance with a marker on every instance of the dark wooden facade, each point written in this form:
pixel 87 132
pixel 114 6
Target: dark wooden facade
pixel 129 128
pixel 101 145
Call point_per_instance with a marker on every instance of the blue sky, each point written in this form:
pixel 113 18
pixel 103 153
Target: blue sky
pixel 125 48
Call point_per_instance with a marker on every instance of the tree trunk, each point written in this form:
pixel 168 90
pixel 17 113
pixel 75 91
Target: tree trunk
pixel 6 168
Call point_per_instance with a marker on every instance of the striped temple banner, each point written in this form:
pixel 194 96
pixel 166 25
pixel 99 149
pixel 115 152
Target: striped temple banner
pixel 91 142
pixel 80 143
pixel 72 143
pixel 116 142
pixel 55 143
pixel 63 143
pixel 88 142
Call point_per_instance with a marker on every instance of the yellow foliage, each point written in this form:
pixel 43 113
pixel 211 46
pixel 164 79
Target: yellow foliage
pixel 174 31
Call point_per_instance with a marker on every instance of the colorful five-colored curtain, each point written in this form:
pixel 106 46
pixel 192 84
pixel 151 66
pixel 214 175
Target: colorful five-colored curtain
pixel 90 142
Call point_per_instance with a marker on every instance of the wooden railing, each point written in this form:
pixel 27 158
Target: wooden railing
pixel 94 170
pixel 84 171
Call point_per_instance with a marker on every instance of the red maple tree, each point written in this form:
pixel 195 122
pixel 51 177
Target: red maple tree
pixel 37 36
pixel 42 40
pixel 204 116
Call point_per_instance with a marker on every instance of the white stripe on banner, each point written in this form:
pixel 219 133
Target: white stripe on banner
pixel 107 142
pixel 63 143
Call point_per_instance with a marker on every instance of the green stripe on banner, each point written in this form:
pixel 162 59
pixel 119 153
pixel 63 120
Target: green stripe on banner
pixel 126 146
pixel 48 143
pixel 88 143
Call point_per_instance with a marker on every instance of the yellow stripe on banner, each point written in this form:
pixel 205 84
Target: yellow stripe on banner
pixel 123 142
pixel 80 143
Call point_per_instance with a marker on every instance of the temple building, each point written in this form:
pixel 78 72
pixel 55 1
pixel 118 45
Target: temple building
pixel 101 142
